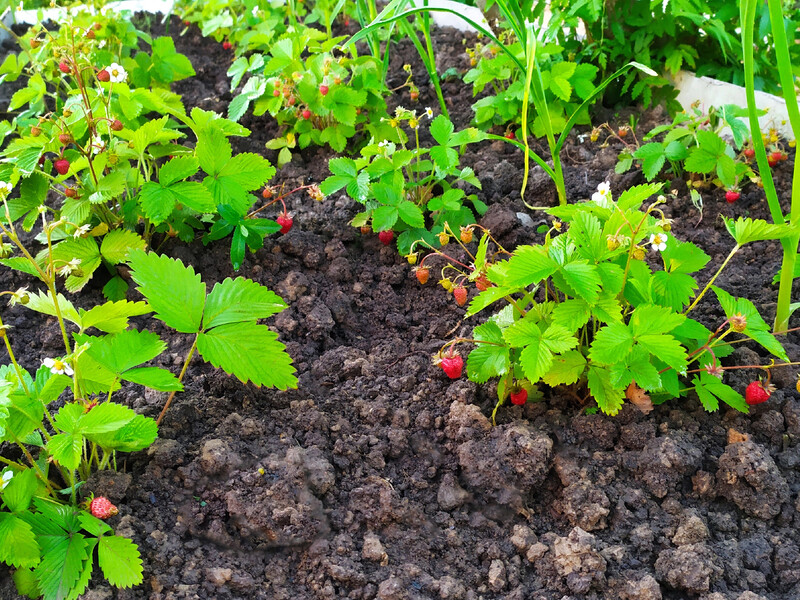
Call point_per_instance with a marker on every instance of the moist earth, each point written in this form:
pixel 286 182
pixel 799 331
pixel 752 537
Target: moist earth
pixel 381 478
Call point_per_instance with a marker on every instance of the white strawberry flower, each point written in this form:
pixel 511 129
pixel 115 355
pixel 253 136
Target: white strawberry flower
pixel 5 186
pixel 57 366
pixel 6 478
pixel 603 195
pixel 429 112
pixel 116 73
pixel 101 44
pixel 81 231
pixel 658 241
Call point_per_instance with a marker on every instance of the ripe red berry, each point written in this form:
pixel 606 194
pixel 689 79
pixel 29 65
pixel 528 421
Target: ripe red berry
pixel 482 283
pixel 65 138
pixel 422 274
pixel 323 89
pixel 70 193
pixel 732 196
pixel 102 508
pixel 267 193
pixel 291 101
pixel 187 23
pixel 116 125
pixel 103 76
pixel 276 92
pixel 62 166
pixel 452 365
pixel 414 95
pixel 366 230
pixel 226 45
pixel 622 132
pixel 306 114
pixel 509 135
pixel 460 294
pixel 520 397
pixel 63 67
pixel 756 393
pixel 386 237
pixel 285 221
pixel 749 152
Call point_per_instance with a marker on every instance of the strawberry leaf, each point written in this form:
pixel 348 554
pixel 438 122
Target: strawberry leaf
pixel 119 560
pixel 18 546
pixel 175 292
pixel 490 359
pixel 250 352
pixel 239 299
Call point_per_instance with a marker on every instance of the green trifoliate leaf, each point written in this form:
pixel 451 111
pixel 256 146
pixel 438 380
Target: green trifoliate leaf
pixel 609 398
pixel 746 230
pixel 632 198
pixel 66 449
pixel 529 265
pixel 755 327
pixel 566 369
pixel 490 359
pixel 239 299
pixel 710 390
pixel 175 292
pixel 105 418
pixel 18 546
pixel 137 434
pixel 18 491
pixel 119 560
pixel 441 129
pixel 651 318
pixel 112 317
pixel 117 243
pixel 250 352
pixel 124 350
pixel 82 255
pixel 653 158
pixel 611 344
pixel 585 232
pixel 683 257
pixel 673 289
pixel 580 279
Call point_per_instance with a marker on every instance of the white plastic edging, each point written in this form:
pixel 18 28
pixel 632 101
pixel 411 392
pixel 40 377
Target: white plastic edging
pixel 60 14
pixel 713 92
pixel 443 19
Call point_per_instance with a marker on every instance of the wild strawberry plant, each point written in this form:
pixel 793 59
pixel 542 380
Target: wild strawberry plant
pixel 692 144
pixel 398 183
pixel 602 307
pixel 316 97
pixel 66 426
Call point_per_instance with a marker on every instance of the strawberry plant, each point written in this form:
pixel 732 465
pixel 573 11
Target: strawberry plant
pixel 317 98
pixel 566 85
pixel 693 144
pixel 398 183
pixel 65 424
pixel 586 310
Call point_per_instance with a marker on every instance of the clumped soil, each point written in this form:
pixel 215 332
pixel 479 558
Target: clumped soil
pixel 381 478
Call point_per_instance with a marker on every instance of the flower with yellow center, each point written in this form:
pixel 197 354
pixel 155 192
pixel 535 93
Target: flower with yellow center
pixel 658 241
pixel 57 366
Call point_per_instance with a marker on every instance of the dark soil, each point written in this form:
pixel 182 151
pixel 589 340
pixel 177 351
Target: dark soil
pixel 381 478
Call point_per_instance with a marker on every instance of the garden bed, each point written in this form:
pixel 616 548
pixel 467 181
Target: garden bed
pixel 381 478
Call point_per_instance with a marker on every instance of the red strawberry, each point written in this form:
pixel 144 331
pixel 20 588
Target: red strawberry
pixel 749 152
pixel 482 283
pixel 63 67
pixel 386 237
pixel 65 138
pixel 226 45
pixel 41 160
pixel 267 193
pixel 102 508
pixel 276 92
pixel 509 135
pixel 414 94
pixel 291 100
pixel 90 34
pixel 70 193
pixel 187 23
pixel 103 76
pixel 62 166
pixel 731 196
pixel 323 89
pixel 756 393
pixel 36 131
pixel 460 294
pixel 784 156
pixel 452 365
pixel 520 397
pixel 422 274
pixel 774 158
pixel 116 125
pixel 366 230
pixel 306 114
pixel 285 221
